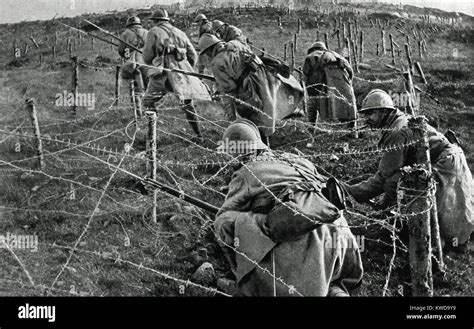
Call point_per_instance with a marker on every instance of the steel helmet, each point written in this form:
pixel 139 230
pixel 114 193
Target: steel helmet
pixel 200 17
pixel 317 45
pixel 160 15
pixel 241 137
pixel 134 20
pixel 217 24
pixel 206 41
pixel 377 99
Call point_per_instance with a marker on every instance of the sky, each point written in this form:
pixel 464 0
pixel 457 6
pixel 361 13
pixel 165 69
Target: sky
pixel 18 10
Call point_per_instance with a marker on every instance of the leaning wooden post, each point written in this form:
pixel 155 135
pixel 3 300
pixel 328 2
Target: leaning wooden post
pixel 285 52
pixel 151 155
pixel 382 34
pixel 292 51
pixel 54 51
pixel 361 46
pixel 117 84
pixel 279 21
pixel 414 193
pixel 92 43
pixel 420 72
pixel 338 32
pixel 407 52
pixel 326 41
pixel 34 42
pixel 410 90
pixel 354 52
pixel 299 26
pixel 30 105
pixel 75 79
pixel 348 47
pixel 295 42
pixel 420 50
pixel 392 49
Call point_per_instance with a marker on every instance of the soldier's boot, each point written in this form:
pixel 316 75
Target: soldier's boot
pixel 192 118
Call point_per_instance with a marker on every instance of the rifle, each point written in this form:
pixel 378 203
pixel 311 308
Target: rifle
pixel 183 196
pixel 194 74
pixel 112 35
pixel 273 57
pixel 91 34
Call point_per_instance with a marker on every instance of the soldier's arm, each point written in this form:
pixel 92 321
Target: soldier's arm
pixel 238 197
pixel 149 50
pixel 306 69
pixel 225 83
pixel 122 46
pixel 387 176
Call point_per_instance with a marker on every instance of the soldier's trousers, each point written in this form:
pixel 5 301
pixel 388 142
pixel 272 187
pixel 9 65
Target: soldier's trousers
pixel 187 106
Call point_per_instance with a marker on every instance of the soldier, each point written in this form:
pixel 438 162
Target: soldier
pixel 250 90
pixel 135 35
pixel 451 172
pixel 228 32
pixel 311 260
pixel 205 26
pixel 328 77
pixel 166 48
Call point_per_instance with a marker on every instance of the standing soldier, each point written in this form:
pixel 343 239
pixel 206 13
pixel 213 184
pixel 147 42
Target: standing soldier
pixel 450 169
pixel 205 26
pixel 251 90
pixel 167 48
pixel 328 77
pixel 135 35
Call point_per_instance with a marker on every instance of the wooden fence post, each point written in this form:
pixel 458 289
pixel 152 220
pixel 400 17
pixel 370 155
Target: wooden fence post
pixel 348 47
pixel 392 50
pixel 383 41
pixel 414 188
pixel 30 105
pixel 292 51
pixel 411 108
pixel 151 157
pixel 326 41
pixel 361 47
pixel 285 52
pixel 420 128
pixel 407 52
pixel 117 84
pixel 420 72
pixel 75 79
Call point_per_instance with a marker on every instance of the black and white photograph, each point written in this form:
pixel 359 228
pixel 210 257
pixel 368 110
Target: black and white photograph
pixel 184 159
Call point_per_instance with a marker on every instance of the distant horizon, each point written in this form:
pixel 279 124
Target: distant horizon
pixel 14 11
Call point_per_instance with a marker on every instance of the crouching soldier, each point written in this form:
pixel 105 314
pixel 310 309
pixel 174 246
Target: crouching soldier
pixel 451 172
pixel 271 249
pixel 250 89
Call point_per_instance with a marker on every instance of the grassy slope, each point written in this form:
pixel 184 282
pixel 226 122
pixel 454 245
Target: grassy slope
pixel 182 239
